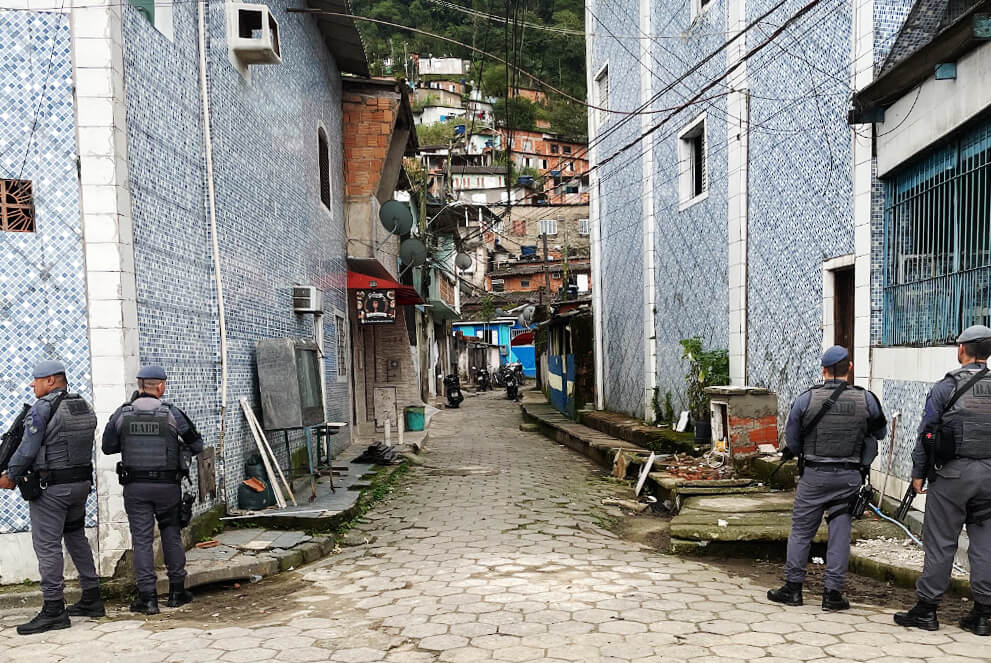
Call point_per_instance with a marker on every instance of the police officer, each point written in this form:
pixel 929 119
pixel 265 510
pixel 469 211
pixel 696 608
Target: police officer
pixel 156 440
pixel 834 428
pixel 57 452
pixel 960 490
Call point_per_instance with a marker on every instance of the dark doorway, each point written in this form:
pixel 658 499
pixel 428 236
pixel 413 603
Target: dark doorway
pixel 843 308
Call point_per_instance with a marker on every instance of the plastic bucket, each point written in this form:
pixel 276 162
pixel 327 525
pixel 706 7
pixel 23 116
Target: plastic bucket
pixel 414 417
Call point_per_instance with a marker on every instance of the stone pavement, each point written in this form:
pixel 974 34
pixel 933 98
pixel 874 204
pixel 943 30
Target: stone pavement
pixel 492 551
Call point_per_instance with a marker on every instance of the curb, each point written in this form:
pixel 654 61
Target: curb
pixel 264 565
pixel 901 576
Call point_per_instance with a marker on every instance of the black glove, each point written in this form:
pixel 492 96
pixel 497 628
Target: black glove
pixel 787 454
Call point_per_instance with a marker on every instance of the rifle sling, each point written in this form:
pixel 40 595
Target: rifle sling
pixel 826 407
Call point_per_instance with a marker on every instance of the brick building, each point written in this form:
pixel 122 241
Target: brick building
pixel 534 276
pixel 562 164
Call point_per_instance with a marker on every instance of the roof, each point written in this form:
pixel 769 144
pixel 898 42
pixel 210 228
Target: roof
pixel 340 35
pixel 538 267
pixel 935 32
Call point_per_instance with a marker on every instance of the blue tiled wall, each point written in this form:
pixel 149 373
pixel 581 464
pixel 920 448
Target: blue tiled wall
pixel 42 277
pixel 273 230
pixel 620 209
pixel 801 210
pixel 889 15
pixel 691 246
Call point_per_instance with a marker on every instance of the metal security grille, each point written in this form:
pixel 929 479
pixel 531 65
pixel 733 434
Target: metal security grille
pixel 16 206
pixel 937 243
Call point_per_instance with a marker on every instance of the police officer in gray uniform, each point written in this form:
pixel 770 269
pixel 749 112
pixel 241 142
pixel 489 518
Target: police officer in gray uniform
pixel 834 428
pixel 156 441
pixel 57 450
pixel 960 489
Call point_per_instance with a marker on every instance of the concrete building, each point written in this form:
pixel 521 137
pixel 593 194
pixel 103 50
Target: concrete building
pixel 431 66
pixel 169 224
pixel 758 220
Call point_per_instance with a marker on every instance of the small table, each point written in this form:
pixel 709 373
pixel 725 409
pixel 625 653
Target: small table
pixel 320 432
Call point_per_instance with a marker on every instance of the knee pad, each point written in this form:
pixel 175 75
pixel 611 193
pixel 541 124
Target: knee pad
pixel 74 525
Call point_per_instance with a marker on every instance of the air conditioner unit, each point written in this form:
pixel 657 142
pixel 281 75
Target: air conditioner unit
pixel 306 299
pixel 253 34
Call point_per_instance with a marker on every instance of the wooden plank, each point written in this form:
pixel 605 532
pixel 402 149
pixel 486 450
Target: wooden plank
pixel 280 501
pixel 253 421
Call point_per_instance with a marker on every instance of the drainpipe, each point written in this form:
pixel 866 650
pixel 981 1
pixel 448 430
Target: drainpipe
pixel 215 245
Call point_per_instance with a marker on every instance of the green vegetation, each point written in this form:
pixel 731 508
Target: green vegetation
pixel 438 133
pixel 706 368
pixel 557 58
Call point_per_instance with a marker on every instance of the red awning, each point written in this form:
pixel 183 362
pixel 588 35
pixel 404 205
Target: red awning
pixel 526 338
pixel 367 274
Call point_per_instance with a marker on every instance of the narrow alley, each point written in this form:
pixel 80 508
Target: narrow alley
pixel 494 550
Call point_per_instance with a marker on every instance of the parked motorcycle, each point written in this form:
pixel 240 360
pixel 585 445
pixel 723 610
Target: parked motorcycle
pixel 512 383
pixel 452 389
pixel 518 372
pixel 482 379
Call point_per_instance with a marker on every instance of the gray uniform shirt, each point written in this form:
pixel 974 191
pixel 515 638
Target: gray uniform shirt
pixel 35 425
pixel 936 402
pixel 793 429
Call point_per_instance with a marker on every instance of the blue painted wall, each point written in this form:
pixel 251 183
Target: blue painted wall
pixel 42 276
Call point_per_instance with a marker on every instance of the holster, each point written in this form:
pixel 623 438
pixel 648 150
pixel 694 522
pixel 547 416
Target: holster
pixel 30 485
pixel 186 510
pixel 122 476
pixel 801 465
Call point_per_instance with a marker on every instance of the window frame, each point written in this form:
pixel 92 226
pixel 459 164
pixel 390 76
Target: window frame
pixel 583 227
pixel 323 168
pixel 27 209
pixel 545 225
pixel 341 331
pixel 602 94
pixel 688 167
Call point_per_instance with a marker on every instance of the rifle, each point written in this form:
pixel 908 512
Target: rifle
pixel 906 503
pixel 12 438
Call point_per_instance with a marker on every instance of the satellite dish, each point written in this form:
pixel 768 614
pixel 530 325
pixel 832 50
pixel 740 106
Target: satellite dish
pixel 413 252
pixel 463 260
pixel 396 217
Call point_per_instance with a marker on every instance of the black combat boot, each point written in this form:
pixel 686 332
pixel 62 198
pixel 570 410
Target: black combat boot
pixel 790 594
pixel 145 603
pixel 923 616
pixel 832 599
pixel 977 621
pixel 178 595
pixel 52 616
pixel 90 605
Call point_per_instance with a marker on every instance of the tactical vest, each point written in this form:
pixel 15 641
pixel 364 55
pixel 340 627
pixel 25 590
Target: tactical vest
pixel 969 420
pixel 148 439
pixel 69 436
pixel 839 435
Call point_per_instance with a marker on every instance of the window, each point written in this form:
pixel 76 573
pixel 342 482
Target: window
pixel 543 164
pixel 498 285
pixel 16 206
pixel 553 149
pixel 692 163
pixel 556 276
pixel 527 146
pixel 583 228
pixel 602 88
pixel 342 346
pixel 548 226
pixel 937 248
pixel 324 159
pixel 567 149
pixel 571 188
pixel 524 283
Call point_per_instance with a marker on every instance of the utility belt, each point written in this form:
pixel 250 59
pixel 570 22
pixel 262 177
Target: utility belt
pixel 835 467
pixel 126 475
pixel 32 483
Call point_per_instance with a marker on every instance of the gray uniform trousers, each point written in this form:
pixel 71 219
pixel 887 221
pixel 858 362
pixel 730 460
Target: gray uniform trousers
pixel 61 506
pixel 957 482
pixel 142 501
pixel 817 488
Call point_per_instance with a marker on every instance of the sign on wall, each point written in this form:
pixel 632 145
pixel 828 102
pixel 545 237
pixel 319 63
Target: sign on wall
pixel 376 307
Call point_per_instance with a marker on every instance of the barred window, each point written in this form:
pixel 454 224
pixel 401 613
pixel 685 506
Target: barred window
pixel 16 206
pixel 937 243
pixel 342 346
pixel 324 159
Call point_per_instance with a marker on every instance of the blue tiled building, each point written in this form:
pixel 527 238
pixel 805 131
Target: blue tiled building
pixel 729 186
pixel 177 195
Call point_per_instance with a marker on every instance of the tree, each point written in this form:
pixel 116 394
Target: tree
pixel 570 120
pixel 515 113
pixel 438 133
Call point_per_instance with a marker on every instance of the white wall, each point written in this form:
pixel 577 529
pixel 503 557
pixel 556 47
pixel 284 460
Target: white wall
pixel 923 116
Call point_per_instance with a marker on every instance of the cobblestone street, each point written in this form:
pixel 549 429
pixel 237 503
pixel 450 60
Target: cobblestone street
pixel 493 550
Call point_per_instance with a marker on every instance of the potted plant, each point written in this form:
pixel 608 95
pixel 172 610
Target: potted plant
pixel 706 368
